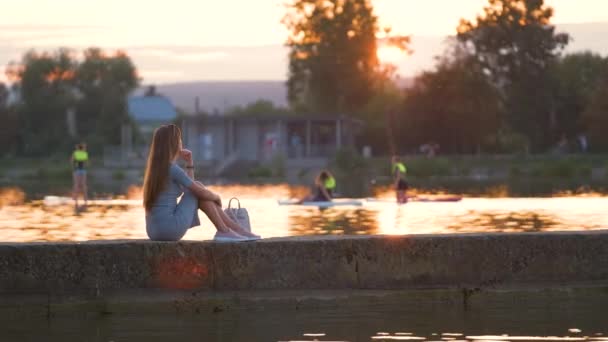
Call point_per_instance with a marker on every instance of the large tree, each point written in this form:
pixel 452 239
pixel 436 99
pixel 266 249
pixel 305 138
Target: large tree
pixel 333 64
pixel 10 125
pixel 104 82
pixel 258 108
pixel 455 106
pixel 51 84
pixel 595 117
pixel 44 83
pixel 578 76
pixel 515 44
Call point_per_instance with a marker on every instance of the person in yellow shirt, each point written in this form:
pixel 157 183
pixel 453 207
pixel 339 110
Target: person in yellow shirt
pixel 330 183
pixel 325 184
pixel 79 160
pixel 399 170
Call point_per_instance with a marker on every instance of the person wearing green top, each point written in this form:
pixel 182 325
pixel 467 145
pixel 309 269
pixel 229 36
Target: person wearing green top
pixel 330 184
pixel 79 160
pixel 399 170
pixel 325 184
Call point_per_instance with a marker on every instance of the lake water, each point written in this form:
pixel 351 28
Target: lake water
pixel 532 318
pixel 558 320
pixel 33 221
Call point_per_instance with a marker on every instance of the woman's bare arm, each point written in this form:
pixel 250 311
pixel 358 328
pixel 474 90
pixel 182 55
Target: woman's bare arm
pixel 186 155
pixel 190 170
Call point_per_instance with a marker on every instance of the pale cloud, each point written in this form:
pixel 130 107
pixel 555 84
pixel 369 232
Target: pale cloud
pixel 202 57
pixel 442 17
pixel 246 22
pixel 160 75
pixel 176 55
pixel 49 36
pixel 38 31
pixel 236 39
pixel 153 52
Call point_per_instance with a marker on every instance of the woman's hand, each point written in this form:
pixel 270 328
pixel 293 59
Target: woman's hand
pixel 186 155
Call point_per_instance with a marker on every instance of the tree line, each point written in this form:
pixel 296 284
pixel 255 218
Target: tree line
pixel 60 99
pixel 503 83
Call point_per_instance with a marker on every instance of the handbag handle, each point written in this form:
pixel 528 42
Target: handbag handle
pixel 230 202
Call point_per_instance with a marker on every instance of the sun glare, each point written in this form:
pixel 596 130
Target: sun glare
pixel 390 54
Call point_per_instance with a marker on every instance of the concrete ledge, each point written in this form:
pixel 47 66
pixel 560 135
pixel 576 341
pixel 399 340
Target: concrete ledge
pixel 571 301
pixel 468 261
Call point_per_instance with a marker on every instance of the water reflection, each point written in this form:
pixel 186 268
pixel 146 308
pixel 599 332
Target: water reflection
pixel 524 221
pixel 385 336
pixel 332 221
pixel 124 219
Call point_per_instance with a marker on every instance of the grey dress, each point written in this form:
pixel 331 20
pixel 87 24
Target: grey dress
pixel 169 220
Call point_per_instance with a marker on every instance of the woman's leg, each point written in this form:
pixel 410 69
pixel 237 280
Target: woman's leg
pixel 83 187
pixel 75 189
pixel 213 213
pixel 220 220
pixel 233 225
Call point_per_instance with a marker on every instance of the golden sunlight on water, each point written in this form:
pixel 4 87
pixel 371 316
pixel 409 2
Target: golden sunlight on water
pixel 489 338
pixel 453 337
pixel 124 219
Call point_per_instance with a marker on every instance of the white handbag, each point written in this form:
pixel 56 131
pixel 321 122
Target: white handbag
pixel 239 215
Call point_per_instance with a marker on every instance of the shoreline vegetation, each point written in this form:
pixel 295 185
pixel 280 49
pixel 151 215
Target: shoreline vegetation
pixel 483 175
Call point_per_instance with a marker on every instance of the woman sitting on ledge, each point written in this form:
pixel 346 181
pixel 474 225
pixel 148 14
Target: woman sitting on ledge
pixel 164 182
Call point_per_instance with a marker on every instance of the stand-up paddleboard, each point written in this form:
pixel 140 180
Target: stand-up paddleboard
pixel 432 199
pixel 51 201
pixel 437 199
pixel 323 204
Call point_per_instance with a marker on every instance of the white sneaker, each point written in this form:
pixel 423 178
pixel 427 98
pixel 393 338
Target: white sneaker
pixel 251 238
pixel 227 237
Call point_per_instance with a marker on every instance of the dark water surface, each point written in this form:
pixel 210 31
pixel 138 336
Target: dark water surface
pixel 566 321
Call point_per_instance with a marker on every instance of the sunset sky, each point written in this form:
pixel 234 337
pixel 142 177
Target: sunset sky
pixel 171 40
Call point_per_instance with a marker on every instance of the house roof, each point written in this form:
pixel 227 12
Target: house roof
pixel 276 117
pixel 151 108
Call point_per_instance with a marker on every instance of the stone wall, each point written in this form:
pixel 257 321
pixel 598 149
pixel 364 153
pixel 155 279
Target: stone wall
pixel 467 261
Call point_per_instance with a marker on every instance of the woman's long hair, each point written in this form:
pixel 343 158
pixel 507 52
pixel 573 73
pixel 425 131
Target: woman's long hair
pixel 166 144
pixel 322 177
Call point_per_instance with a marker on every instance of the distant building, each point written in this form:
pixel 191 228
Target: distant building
pixel 149 112
pixel 224 140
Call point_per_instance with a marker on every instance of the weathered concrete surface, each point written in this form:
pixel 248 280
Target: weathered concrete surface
pixel 466 261
pixel 575 301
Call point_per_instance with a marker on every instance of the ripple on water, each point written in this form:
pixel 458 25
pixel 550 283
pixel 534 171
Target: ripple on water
pixel 108 220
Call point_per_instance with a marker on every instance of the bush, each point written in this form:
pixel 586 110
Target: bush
pixel 559 169
pixel 348 159
pixel 278 165
pixel 260 172
pixel 585 171
pixel 352 169
pixel 515 171
pixel 428 167
pixel 119 175
pixel 50 173
pixel 506 141
pixel 302 173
